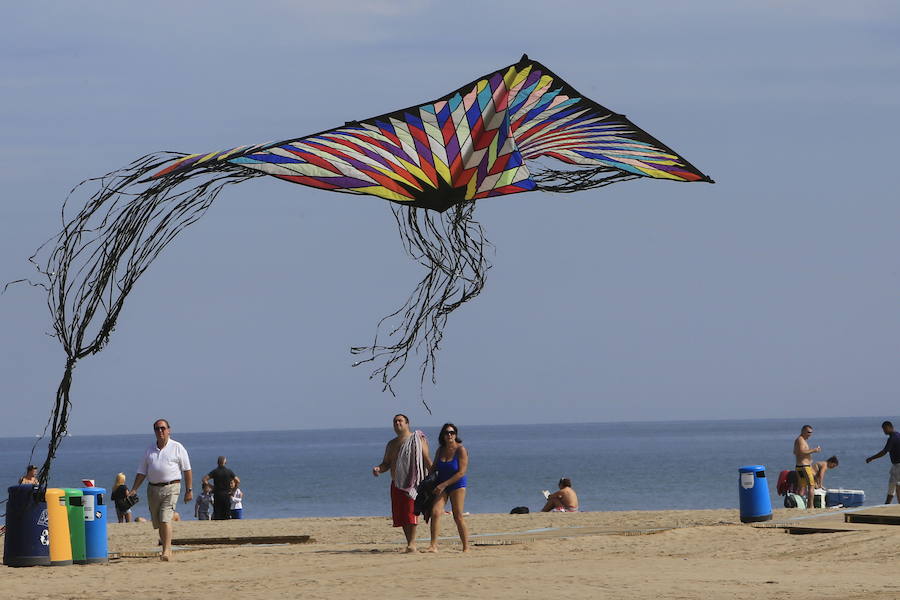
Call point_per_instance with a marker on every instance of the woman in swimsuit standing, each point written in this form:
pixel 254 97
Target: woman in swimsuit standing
pixel 451 461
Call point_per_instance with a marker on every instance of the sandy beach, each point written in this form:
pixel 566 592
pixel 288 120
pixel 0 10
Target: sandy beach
pixel 621 555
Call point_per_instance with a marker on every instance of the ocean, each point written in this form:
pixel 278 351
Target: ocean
pixel 613 466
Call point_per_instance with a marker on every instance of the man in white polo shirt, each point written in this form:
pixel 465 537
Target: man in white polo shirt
pixel 162 465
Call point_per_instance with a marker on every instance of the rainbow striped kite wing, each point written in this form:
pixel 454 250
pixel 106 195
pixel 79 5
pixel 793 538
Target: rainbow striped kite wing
pixel 550 118
pixel 473 143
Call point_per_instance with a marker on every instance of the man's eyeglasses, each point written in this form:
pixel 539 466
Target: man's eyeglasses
pixel 160 428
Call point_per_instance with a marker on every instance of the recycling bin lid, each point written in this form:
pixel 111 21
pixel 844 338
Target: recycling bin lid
pixel 751 468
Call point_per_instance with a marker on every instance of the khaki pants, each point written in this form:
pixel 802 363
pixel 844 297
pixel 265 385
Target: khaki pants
pixel 161 499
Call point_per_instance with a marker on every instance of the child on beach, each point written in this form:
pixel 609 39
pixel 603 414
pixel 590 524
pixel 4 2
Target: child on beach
pixel 119 496
pixel 237 499
pixel 203 504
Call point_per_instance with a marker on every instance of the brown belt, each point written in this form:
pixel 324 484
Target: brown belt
pixel 165 482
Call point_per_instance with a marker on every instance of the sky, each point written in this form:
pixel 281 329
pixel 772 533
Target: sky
pixel 773 293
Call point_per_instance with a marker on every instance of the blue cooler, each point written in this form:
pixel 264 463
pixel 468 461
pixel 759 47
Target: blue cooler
pixel 26 542
pixel 753 489
pixel 95 544
pixel 842 497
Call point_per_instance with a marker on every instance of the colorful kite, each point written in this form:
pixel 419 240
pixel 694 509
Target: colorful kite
pixel 492 137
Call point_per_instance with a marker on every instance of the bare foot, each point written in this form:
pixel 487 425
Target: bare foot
pixel 166 556
pixel 410 549
pixel 465 549
pixel 432 549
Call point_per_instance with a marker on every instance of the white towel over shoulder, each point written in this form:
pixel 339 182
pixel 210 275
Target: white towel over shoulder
pixel 410 469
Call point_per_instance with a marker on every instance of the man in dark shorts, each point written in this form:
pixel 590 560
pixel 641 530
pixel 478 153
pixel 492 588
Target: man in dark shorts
pixel 407 457
pixel 222 477
pixel 892 446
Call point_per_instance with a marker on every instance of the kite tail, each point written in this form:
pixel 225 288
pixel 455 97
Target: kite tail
pixel 57 421
pixel 93 263
pixel 577 180
pixel 451 247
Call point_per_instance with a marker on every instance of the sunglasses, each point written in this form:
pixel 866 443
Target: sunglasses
pixel 160 428
pixel 449 432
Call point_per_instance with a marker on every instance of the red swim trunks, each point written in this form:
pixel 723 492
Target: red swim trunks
pixel 402 507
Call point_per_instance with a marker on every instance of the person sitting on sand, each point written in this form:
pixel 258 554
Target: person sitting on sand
pixel 821 467
pixel 565 500
pixel 30 477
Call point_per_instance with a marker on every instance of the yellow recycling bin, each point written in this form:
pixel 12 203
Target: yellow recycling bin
pixel 57 513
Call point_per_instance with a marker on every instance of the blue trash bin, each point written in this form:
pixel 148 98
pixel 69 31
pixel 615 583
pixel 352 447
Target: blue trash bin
pixel 27 541
pixel 95 541
pixel 753 489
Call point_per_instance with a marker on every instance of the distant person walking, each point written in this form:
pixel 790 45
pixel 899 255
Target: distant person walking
pixel 893 447
pixel 30 476
pixel 119 496
pixel 163 465
pixel 803 454
pixel 451 461
pixel 222 477
pixel 237 499
pixel 565 500
pixel 203 505
pixel 406 456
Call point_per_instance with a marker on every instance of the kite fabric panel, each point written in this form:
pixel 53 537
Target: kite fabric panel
pixel 433 162
pixel 473 143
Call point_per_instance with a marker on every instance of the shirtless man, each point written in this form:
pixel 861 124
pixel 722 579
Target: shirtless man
pixel 30 477
pixel 565 500
pixel 803 454
pixel 410 449
pixel 821 467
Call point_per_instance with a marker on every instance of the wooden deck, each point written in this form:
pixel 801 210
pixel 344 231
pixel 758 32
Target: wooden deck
pixel 240 540
pixel 840 521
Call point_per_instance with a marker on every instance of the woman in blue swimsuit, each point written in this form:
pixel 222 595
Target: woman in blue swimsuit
pixel 451 461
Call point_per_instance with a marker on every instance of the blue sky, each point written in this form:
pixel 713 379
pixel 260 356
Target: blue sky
pixel 773 293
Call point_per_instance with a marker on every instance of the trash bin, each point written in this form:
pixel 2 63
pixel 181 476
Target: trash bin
pixel 58 518
pixel 27 541
pixel 95 544
pixel 753 489
pixel 75 511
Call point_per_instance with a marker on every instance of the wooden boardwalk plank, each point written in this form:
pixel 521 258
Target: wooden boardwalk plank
pixel 806 530
pixel 875 519
pixel 244 539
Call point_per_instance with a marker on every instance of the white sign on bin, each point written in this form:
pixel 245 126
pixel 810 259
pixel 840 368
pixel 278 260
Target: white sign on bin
pixel 88 501
pixel 747 480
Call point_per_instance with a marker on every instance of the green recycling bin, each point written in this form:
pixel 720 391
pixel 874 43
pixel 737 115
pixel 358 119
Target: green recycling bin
pixel 75 510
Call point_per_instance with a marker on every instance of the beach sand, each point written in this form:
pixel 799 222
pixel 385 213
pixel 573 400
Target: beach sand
pixel 617 555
